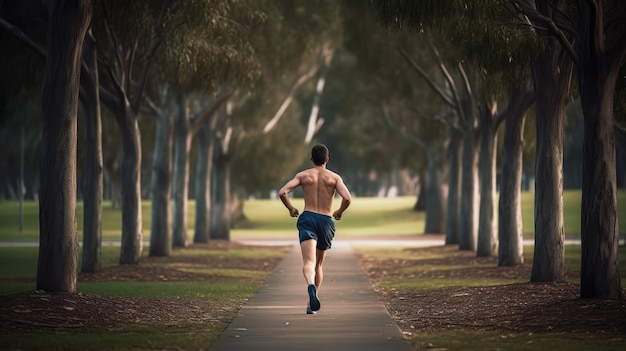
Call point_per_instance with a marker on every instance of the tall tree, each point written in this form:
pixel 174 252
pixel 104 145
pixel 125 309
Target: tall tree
pixel 487 243
pixel 127 60
pixel 435 210
pixel 484 33
pixel 57 266
pixel 93 164
pixel 595 45
pixel 601 52
pixel 161 185
pixel 510 235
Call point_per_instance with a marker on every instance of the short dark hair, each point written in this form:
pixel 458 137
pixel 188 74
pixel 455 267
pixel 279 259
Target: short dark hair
pixel 319 153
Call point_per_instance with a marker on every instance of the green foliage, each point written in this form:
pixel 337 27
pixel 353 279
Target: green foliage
pixel 208 44
pixel 265 160
pixel 485 33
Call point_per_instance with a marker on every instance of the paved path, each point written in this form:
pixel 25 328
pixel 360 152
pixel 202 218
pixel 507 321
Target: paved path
pixel 351 317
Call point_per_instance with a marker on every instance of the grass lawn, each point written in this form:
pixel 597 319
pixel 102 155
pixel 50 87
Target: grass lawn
pixel 366 217
pixel 220 297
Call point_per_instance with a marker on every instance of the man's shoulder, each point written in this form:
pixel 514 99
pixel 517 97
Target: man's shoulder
pixel 333 173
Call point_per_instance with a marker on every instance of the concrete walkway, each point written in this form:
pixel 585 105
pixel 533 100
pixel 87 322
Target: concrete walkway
pixel 351 317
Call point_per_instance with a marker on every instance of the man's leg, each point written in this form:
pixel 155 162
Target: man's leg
pixel 309 260
pixel 319 273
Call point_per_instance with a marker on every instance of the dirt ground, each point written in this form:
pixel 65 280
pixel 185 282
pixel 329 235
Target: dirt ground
pixel 38 311
pixel 516 308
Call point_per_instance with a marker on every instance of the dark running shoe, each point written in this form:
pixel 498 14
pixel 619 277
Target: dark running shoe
pixel 314 302
pixel 310 311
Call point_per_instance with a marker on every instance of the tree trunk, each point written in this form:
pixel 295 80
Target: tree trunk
pixel 203 184
pixel 454 187
pixel 487 240
pixel 469 193
pixel 220 213
pixel 182 145
pixel 57 265
pixel 598 72
pixel 161 227
pixel 435 209
pixel 510 234
pixel 421 198
pixel 552 75
pixel 93 182
pixel 131 247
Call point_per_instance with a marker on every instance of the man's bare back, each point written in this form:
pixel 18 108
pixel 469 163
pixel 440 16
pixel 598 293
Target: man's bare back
pixel 319 185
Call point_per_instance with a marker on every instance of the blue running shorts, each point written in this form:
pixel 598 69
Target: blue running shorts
pixel 318 227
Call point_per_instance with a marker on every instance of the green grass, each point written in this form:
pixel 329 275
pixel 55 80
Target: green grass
pixel 571 212
pixel 572 264
pixel 18 271
pixel 136 337
pixel 219 290
pixel 366 217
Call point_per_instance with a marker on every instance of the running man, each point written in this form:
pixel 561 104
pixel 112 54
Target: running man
pixel 316 228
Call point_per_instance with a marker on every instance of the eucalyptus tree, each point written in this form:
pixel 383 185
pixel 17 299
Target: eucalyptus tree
pixel 295 37
pixel 591 35
pixel 57 265
pixel 160 184
pixel 404 105
pixel 92 172
pixel 510 234
pixel 435 221
pixel 476 30
pixel 93 161
pixel 127 61
pixel 214 58
pixel 459 95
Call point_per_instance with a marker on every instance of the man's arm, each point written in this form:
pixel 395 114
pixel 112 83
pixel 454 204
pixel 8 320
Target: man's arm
pixel 283 193
pixel 346 198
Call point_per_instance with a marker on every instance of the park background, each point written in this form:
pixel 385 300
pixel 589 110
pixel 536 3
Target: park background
pixel 440 118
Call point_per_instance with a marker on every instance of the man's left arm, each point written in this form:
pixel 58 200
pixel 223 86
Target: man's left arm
pixel 283 193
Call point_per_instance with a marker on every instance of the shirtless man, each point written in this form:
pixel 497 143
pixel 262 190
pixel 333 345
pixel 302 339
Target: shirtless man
pixel 316 229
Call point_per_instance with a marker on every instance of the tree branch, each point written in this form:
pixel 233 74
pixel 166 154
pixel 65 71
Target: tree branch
pixel 540 19
pixel 155 42
pixel 23 37
pixel 202 119
pixel 283 107
pixel 402 130
pixel 422 73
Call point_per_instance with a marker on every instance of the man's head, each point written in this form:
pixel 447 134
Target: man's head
pixel 319 154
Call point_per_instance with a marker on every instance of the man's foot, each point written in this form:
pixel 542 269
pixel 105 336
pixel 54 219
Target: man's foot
pixel 310 311
pixel 314 302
